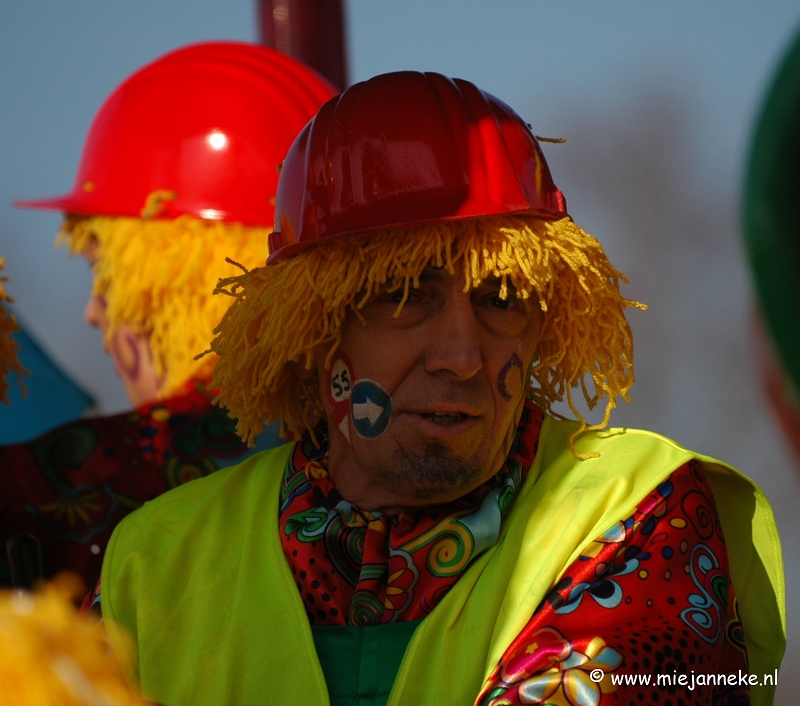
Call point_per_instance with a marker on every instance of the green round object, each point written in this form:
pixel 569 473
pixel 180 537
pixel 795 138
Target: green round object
pixel 772 211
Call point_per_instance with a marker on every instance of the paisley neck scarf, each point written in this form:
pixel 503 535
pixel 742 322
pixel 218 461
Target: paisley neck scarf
pixel 360 568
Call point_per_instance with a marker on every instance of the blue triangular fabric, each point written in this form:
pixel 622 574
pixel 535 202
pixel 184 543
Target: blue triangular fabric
pixel 52 397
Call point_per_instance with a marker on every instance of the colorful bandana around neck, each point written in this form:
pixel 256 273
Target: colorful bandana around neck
pixel 359 568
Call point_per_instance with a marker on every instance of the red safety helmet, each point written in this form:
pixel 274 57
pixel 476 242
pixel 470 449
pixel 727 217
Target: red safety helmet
pixel 209 123
pixel 408 148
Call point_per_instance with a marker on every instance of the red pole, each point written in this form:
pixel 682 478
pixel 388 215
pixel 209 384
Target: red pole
pixel 311 31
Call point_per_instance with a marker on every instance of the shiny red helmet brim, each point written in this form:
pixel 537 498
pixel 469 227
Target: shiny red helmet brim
pixel 407 149
pixel 206 124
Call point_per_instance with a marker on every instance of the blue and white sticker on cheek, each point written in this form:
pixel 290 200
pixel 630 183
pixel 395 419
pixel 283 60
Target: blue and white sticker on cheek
pixel 370 409
pixel 364 404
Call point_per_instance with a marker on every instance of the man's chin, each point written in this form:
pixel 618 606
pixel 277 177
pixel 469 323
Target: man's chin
pixel 436 474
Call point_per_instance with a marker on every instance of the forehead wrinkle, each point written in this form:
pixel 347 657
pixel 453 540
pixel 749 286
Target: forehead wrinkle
pixel 431 274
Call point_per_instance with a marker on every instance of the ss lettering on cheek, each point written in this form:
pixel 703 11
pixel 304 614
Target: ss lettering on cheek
pixel 370 409
pixel 340 381
pixel 510 378
pixel 338 390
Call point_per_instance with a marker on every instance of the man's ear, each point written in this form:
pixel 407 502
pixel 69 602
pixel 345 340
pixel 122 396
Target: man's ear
pixel 299 369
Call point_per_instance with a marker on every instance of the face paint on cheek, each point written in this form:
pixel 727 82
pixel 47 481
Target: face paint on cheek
pixel 370 409
pixel 126 355
pixel 510 378
pixel 338 389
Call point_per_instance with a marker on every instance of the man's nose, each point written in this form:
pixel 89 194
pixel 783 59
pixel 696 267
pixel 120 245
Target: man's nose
pixel 455 348
pixel 94 312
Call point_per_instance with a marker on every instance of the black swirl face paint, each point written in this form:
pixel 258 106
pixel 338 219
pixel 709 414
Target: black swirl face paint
pixel 510 377
pixel 126 355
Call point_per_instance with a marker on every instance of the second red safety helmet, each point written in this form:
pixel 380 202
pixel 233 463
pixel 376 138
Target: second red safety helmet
pixel 408 148
pixel 209 123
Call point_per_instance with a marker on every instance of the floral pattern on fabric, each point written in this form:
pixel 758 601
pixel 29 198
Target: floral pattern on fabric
pixel 71 487
pixel 360 568
pixel 555 670
pixel 652 595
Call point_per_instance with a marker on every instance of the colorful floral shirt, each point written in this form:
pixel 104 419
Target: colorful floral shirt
pixel 652 596
pixel 70 487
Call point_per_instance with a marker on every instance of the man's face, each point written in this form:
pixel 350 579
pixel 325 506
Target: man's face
pixel 130 351
pixel 422 407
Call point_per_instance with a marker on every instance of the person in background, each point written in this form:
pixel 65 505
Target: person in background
pixel 435 535
pixel 178 173
pixel 771 214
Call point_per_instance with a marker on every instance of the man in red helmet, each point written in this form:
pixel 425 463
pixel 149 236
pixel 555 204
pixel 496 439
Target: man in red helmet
pixel 178 173
pixel 435 536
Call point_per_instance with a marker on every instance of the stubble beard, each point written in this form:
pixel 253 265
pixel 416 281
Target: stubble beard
pixel 434 473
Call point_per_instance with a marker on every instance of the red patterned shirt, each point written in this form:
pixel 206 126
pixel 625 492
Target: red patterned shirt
pixel 71 486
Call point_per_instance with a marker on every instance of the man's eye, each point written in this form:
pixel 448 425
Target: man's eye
pixel 395 297
pixel 499 303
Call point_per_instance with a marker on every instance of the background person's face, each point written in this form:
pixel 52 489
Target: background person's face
pixel 130 351
pixel 422 408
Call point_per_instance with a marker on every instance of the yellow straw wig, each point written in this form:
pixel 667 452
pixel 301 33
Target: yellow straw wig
pixel 51 655
pixel 8 348
pixel 283 312
pixel 157 276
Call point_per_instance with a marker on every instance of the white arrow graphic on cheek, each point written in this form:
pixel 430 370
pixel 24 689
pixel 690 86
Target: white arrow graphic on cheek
pixel 367 410
pixel 370 409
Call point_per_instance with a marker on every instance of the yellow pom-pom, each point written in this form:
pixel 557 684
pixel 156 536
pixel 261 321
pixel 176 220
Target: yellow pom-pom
pixel 50 655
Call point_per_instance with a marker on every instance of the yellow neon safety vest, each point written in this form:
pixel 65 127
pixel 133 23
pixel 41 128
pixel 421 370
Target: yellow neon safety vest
pixel 198 580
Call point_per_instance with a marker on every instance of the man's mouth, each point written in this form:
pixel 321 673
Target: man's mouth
pixel 445 419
